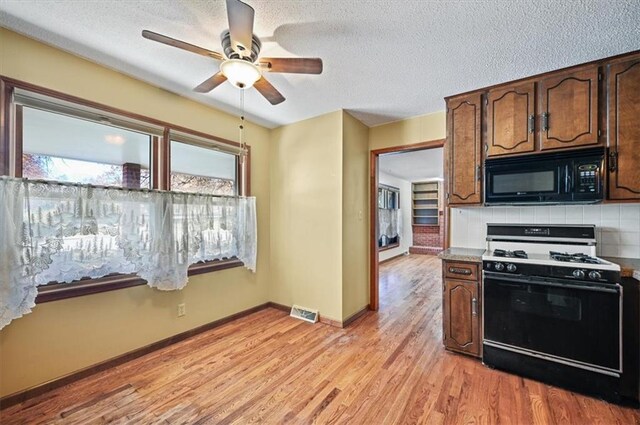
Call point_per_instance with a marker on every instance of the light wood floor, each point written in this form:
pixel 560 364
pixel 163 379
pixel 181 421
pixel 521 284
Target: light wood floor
pixel 388 367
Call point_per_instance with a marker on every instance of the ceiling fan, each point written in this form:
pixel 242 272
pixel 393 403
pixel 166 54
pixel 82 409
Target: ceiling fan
pixel 240 62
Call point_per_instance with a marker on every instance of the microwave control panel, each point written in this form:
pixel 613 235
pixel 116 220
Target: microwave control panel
pixel 588 178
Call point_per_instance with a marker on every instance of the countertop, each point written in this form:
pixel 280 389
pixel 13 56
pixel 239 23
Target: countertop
pixel 462 254
pixel 629 267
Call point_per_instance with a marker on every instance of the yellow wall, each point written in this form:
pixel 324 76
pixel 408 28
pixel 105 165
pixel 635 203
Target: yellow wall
pixel 319 218
pixel 64 336
pixel 407 132
pixel 306 222
pixel 355 217
pixel 311 183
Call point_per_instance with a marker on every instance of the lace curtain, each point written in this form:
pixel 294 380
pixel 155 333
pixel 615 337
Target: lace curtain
pixel 64 232
pixel 390 222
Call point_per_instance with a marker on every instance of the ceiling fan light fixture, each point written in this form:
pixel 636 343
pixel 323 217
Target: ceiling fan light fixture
pixel 240 73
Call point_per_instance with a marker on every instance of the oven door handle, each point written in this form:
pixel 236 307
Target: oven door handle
pixel 613 289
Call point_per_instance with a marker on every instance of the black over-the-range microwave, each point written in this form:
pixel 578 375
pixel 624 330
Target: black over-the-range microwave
pixel 551 178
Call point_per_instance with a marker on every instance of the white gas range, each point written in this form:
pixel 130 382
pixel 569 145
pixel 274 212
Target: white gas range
pixel 552 310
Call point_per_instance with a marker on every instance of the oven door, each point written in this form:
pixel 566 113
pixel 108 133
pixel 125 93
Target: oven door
pixel 578 324
pixel 527 181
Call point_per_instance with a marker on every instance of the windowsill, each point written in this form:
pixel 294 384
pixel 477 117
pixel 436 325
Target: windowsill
pixel 61 291
pixel 384 248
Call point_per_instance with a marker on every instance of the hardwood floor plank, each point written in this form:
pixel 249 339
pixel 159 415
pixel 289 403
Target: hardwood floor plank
pixel 388 367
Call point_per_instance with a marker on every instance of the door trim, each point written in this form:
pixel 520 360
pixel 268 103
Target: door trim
pixel 373 208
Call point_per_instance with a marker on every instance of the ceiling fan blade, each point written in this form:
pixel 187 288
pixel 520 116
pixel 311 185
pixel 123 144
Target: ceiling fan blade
pixel 211 83
pixel 292 65
pixel 268 91
pixel 154 36
pixel 240 26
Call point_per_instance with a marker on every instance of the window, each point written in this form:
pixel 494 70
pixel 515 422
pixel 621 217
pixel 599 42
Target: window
pixel 64 148
pixel 54 136
pixel 388 217
pixel 203 169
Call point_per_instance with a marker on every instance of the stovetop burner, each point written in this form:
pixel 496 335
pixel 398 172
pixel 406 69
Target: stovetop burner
pixel 511 254
pixel 573 258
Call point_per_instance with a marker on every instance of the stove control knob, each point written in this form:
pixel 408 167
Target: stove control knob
pixel 595 275
pixel 578 274
pixel 499 267
pixel 511 268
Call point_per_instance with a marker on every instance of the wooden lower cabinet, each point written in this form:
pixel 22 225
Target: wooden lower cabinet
pixel 462 311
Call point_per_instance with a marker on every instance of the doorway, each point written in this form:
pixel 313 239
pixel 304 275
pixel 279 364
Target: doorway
pixel 406 209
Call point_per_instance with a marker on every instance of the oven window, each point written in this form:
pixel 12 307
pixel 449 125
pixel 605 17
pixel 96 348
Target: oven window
pixel 523 182
pixel 558 304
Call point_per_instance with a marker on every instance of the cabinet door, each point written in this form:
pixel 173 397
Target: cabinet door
pixel 624 130
pixel 464 149
pixel 569 110
pixel 511 120
pixel 461 321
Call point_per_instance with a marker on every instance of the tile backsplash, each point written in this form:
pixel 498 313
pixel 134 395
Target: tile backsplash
pixel 617 225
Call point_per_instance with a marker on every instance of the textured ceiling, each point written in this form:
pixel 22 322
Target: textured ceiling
pixel 413 166
pixel 384 60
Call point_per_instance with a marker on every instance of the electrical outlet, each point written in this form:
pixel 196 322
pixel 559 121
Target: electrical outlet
pixel 182 309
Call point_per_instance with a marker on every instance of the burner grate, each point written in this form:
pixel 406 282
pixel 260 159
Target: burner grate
pixel 573 258
pixel 511 254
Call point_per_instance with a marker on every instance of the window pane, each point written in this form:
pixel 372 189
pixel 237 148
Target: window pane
pixel 202 170
pixel 63 148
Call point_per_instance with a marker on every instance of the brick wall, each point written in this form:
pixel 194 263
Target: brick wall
pixel 427 236
pixel 427 239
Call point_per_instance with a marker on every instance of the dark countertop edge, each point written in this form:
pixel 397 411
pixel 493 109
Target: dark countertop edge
pixel 629 267
pixel 462 254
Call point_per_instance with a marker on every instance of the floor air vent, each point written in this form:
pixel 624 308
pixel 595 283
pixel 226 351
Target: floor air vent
pixel 305 314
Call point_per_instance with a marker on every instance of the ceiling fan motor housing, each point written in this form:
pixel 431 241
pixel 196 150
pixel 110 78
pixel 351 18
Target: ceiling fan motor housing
pixel 230 53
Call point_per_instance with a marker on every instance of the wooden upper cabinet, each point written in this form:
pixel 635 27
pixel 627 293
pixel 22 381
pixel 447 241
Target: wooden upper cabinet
pixel 464 149
pixel 624 129
pixel 511 120
pixel 569 109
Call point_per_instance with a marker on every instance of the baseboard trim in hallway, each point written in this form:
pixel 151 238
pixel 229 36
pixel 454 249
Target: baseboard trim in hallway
pixel 391 258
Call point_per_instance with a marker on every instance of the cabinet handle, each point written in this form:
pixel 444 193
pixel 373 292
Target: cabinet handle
pixel 532 123
pixel 458 270
pixel 613 161
pixel 474 306
pixel 478 171
pixel 545 121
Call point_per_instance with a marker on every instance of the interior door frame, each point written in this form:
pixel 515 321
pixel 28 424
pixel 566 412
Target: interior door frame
pixel 373 209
